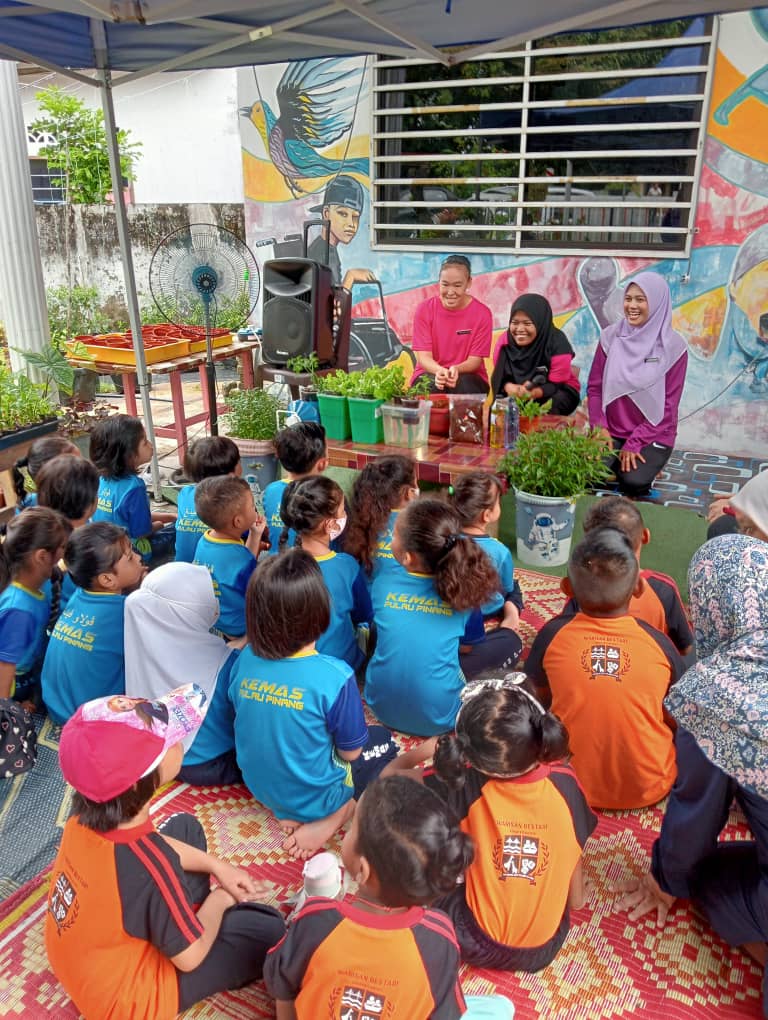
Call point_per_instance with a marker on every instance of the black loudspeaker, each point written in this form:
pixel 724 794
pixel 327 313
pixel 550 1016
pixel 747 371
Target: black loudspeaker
pixel 297 314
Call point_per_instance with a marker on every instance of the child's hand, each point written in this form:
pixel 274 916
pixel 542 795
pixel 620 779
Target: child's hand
pixel 511 618
pixel 642 895
pixel 237 882
pixel 256 530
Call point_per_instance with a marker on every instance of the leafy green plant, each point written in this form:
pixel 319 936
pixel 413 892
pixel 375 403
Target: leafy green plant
pixel 380 383
pixel 420 389
pixel 77 147
pixel 529 408
pixel 560 462
pixel 188 310
pixel 54 366
pixel 22 402
pixel 338 384
pixel 73 311
pixel 252 414
pixel 304 363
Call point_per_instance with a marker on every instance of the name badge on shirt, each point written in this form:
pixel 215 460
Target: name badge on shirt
pixel 466 332
pixel 649 359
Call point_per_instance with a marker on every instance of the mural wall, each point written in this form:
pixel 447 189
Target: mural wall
pixel 306 123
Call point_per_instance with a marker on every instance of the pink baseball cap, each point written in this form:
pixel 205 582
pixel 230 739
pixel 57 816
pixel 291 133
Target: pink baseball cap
pixel 110 743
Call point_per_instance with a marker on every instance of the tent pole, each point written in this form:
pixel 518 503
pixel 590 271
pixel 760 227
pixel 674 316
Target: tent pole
pixel 124 239
pixel 24 307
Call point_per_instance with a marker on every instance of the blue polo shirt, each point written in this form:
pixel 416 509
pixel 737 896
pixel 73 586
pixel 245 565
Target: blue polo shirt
pixel 350 605
pixel 217 734
pixel 290 715
pixel 501 558
pixel 23 618
pixel 273 500
pixel 124 501
pixel 85 658
pixel 384 561
pixel 414 680
pixel 189 527
pixel 230 565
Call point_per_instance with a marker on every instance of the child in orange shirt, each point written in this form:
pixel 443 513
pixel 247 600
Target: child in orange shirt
pixel 659 600
pixel 606 673
pixel 383 952
pixel 502 773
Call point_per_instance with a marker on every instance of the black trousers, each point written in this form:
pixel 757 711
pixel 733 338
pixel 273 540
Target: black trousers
pixel 564 400
pixel 728 881
pixel 248 931
pixel 639 481
pixel 499 651
pixel 220 771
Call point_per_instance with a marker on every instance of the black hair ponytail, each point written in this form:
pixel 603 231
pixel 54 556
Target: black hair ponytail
pixel 308 502
pixel 450 761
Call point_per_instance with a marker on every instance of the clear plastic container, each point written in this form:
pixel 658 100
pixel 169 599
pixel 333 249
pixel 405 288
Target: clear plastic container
pixel 406 426
pixel 466 410
pixel 504 424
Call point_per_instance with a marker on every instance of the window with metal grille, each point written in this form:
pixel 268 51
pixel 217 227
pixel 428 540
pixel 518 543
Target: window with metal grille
pixel 583 142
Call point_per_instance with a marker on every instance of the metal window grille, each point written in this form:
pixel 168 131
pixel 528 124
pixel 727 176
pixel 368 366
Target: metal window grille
pixel 575 144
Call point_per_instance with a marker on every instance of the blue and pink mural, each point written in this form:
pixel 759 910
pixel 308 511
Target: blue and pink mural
pixel 303 122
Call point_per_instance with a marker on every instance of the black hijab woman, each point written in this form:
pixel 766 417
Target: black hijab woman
pixel 536 359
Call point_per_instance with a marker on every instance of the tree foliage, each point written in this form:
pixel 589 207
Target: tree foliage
pixel 78 147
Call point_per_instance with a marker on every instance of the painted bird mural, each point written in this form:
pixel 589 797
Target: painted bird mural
pixel 316 102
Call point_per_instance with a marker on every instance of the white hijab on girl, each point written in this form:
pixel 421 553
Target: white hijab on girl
pixel 167 633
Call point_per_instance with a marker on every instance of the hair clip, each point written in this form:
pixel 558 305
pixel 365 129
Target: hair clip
pixel 509 682
pixel 451 491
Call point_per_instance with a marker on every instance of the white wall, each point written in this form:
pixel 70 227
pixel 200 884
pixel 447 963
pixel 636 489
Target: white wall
pixel 188 124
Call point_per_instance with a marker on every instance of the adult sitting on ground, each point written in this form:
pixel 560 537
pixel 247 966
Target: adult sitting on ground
pixel 721 709
pixel 452 333
pixel 636 382
pixel 535 360
pixel 746 512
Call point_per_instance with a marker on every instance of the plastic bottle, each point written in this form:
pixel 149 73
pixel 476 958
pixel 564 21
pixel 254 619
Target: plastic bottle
pixel 497 430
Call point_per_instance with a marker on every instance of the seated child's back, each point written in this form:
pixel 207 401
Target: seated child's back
pixel 225 504
pixel 658 601
pixel 606 674
pixel 302 452
pixel 205 458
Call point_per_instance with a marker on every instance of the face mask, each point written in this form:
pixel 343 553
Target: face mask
pixel 339 523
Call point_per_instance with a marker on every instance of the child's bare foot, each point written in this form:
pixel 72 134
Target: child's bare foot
pixel 287 825
pixel 308 838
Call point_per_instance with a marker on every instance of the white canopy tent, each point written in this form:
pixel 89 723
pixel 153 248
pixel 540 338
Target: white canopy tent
pixel 142 37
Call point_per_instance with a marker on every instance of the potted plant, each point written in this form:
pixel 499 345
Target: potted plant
pixel 332 393
pixel 251 423
pixel 419 391
pixel 529 411
pixel 548 469
pixel 373 387
pixel 26 413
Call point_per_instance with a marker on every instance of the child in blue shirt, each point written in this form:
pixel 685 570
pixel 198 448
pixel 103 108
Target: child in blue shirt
pixel 34 543
pixel 168 621
pixel 205 458
pixel 314 509
pixel 492 640
pixel 302 742
pixel 119 446
pixel 70 485
pixel 382 489
pixel 225 504
pixel 39 453
pixel 302 452
pixel 414 679
pixel 85 657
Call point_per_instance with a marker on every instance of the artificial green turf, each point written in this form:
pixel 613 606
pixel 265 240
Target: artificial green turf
pixel 676 533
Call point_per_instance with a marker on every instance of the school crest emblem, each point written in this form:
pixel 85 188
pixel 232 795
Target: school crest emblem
pixel 356 1003
pixel 604 660
pixel 63 903
pixel 520 856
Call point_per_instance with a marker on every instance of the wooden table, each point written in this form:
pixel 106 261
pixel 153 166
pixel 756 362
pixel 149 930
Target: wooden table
pixel 177 429
pixel 440 461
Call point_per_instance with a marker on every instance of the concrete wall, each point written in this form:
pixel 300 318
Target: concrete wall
pixel 187 123
pixel 718 294
pixel 79 244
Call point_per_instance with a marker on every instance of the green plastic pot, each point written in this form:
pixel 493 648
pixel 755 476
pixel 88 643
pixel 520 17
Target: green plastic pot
pixel 334 414
pixel 366 420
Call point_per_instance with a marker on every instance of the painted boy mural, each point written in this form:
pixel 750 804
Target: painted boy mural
pixel 342 207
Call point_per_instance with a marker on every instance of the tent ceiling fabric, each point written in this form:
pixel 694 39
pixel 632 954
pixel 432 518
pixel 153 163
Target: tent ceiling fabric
pixel 147 35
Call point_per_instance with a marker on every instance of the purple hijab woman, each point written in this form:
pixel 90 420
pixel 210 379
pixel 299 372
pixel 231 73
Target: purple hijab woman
pixel 636 382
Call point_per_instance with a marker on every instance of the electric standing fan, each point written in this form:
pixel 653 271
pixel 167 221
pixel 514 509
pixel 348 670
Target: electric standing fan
pixel 200 272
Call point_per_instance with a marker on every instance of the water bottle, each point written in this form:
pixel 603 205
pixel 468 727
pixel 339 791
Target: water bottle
pixel 512 430
pixel 498 428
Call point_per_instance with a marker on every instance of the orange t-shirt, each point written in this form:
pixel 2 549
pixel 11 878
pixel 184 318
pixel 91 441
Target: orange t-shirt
pixel 660 605
pixel 337 960
pixel 118 908
pixel 528 832
pixel 608 679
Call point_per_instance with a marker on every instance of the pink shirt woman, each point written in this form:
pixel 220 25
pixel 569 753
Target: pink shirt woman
pixel 452 333
pixel 636 382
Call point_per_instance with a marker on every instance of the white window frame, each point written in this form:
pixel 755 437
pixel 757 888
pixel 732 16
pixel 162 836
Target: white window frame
pixel 517 228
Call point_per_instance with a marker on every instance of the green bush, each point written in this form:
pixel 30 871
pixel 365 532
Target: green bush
pixel 252 414
pixel 560 463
